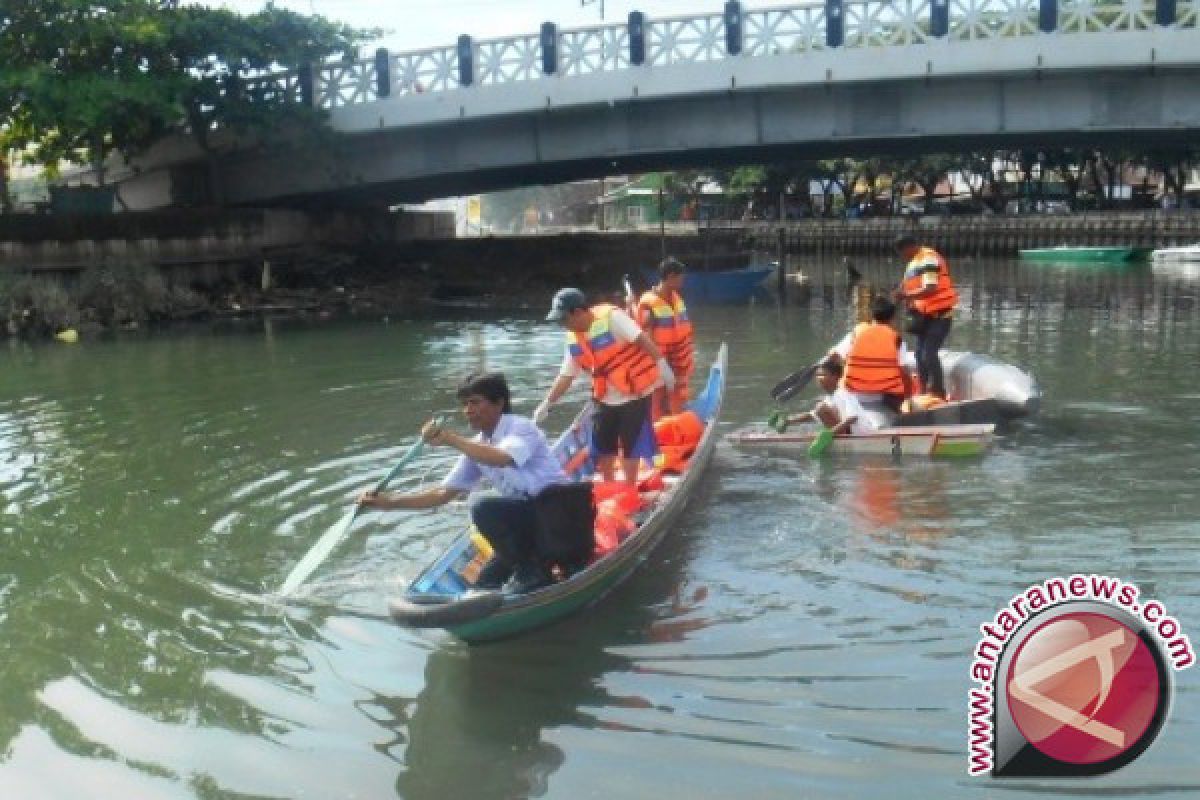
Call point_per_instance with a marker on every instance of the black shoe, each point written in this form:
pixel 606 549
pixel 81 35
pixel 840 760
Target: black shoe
pixel 528 578
pixel 494 574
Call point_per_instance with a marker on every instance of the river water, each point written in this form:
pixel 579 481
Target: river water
pixel 806 631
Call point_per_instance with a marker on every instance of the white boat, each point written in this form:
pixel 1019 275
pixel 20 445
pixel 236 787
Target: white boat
pixel 974 377
pixel 925 440
pixel 1170 255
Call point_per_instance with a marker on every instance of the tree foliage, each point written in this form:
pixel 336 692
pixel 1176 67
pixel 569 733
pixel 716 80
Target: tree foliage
pixel 84 79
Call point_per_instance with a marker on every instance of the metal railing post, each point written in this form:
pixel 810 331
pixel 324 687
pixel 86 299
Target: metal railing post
pixel 1048 16
pixel 466 60
pixel 1164 12
pixel 304 80
pixel 383 72
pixel 835 23
pixel 939 17
pixel 637 38
pixel 549 42
pixel 733 27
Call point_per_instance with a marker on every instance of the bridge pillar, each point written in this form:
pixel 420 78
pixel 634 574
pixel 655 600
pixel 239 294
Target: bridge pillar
pixel 466 60
pixel 939 17
pixel 1164 12
pixel 549 42
pixel 383 72
pixel 1048 16
pixel 637 38
pixel 733 27
pixel 835 23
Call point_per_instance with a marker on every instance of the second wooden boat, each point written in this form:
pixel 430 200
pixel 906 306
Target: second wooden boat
pixel 930 440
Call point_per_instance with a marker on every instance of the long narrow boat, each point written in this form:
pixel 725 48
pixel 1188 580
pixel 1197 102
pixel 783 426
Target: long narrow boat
pixel 441 595
pixel 930 440
pixel 1067 254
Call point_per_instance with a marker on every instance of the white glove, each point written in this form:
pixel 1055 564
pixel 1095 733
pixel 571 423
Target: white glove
pixel 664 369
pixel 539 413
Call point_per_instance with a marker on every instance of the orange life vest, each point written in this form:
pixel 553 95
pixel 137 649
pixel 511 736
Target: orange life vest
pixel 629 368
pixel 669 327
pixel 944 297
pixel 677 436
pixel 873 364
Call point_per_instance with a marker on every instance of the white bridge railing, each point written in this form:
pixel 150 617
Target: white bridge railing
pixel 735 33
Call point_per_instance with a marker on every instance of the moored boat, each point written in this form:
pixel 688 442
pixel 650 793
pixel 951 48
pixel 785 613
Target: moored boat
pixel 1169 255
pixel 930 440
pixel 441 595
pixel 1068 254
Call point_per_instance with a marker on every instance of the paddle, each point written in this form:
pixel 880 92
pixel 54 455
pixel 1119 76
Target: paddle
pixel 334 536
pixel 630 297
pixel 793 384
pixel 821 443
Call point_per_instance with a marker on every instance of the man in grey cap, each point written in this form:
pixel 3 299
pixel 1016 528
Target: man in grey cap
pixel 626 368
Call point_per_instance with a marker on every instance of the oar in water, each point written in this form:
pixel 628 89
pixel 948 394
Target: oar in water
pixel 334 536
pixel 793 384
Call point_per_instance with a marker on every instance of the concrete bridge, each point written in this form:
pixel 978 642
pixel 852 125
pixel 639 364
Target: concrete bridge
pixel 837 77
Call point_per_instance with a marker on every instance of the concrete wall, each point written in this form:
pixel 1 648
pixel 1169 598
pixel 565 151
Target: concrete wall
pixel 46 243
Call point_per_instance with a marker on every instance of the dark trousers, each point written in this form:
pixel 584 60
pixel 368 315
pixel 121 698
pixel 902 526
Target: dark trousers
pixel 929 365
pixel 510 524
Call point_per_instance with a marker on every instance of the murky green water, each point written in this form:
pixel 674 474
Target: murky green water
pixel 806 630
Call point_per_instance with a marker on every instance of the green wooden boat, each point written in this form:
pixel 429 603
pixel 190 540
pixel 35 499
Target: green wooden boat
pixel 441 597
pixel 1066 254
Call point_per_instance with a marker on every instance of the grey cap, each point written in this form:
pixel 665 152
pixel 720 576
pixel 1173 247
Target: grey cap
pixel 565 301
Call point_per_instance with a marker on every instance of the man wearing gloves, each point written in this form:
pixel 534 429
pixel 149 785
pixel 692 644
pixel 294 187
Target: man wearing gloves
pixel 626 367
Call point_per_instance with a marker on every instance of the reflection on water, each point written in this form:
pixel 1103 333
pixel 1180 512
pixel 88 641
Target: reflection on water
pixel 805 631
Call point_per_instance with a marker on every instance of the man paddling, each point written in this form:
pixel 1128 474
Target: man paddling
pixel 662 314
pixel 512 455
pixel 625 366
pixel 931 298
pixel 840 409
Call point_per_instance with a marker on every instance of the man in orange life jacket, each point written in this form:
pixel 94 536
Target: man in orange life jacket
pixel 873 356
pixel 626 367
pixel 661 313
pixel 931 298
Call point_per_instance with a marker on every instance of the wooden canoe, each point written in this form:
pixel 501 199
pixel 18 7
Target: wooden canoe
pixel 931 440
pixel 441 597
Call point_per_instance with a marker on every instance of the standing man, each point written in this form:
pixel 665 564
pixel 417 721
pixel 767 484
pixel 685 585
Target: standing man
pixel 511 454
pixel 626 367
pixel 931 297
pixel 662 314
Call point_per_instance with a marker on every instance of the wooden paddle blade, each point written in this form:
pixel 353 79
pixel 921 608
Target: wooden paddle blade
pixel 313 558
pixel 821 443
pixel 793 384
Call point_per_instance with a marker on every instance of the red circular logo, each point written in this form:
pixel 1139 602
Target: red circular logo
pixel 1083 688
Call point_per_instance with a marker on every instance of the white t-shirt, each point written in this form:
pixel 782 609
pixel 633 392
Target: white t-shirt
pixel 624 330
pixel 848 405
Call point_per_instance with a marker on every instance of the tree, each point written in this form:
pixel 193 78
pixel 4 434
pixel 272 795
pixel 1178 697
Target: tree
pixel 84 80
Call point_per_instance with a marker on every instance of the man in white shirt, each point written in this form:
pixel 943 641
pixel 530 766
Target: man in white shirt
pixel 626 367
pixel 512 455
pixel 839 409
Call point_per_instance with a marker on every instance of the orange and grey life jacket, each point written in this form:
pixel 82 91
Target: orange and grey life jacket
pixel 944 298
pixel 629 368
pixel 873 364
pixel 669 327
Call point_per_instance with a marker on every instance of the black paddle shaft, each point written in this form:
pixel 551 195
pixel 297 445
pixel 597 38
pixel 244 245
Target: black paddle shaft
pixel 793 384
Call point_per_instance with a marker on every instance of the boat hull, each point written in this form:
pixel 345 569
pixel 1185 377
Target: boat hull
pixel 976 377
pixel 519 613
pixel 934 441
pixel 1173 255
pixel 1085 255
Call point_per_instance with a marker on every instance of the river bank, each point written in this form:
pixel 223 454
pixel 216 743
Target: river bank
pixel 132 270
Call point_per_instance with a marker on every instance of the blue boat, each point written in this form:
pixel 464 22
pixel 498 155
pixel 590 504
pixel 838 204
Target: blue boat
pixel 726 286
